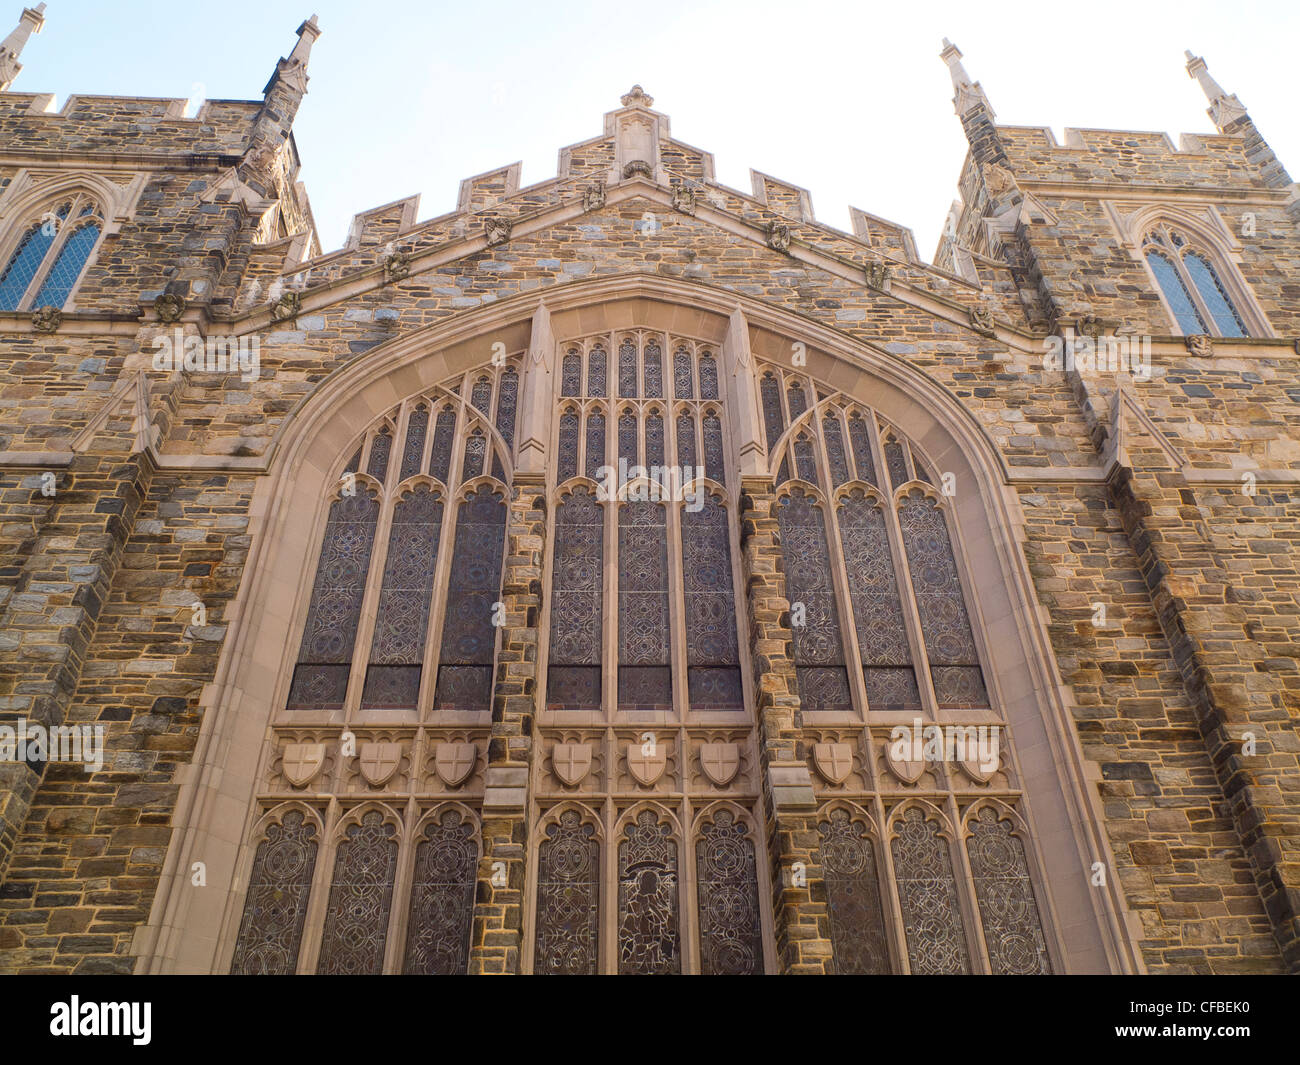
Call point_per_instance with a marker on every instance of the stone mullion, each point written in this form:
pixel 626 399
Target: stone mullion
pixel 799 909
pixel 1191 593
pixel 497 941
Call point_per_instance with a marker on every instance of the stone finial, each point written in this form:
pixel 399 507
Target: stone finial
pixel 1224 108
pixel 637 97
pixel 29 22
pixel 968 93
pixel 293 71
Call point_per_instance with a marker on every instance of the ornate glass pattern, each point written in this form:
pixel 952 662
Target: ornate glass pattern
pixel 381 447
pixel 444 433
pixel 773 420
pixel 270 934
pixel 712 648
pixel 568 899
pixel 949 643
pixel 860 438
pixel 1214 296
pixel 402 616
pixel 683 385
pixel 805 458
pixel 627 369
pixel 23 264
pixel 797 400
pixel 324 658
pixel 566 465
pixel 480 396
pixel 1013 932
pixel 896 463
pixel 818 645
pixel 442 898
pixel 468 635
pixel 475 456
pixel 627 442
pixel 413 453
pixel 936 942
pixel 686 455
pixel 577 605
pixel 596 360
pixel 1179 299
pixel 648 937
pixel 507 401
pixel 853 897
pixel 644 675
pixel 595 444
pixel 354 463
pixel 71 260
pixel 571 373
pixel 835 456
pixel 714 465
pixel 654 369
pixel 361 897
pixel 654 439
pixel 877 607
pixel 708 377
pixel 731 936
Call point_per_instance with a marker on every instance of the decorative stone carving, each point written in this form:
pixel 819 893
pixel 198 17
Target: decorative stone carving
pixel 571 762
pixel 639 166
pixel 286 307
pixel 1202 346
pixel 169 307
pixel 593 197
pixel 300 762
pixel 636 97
pixel 1091 326
pixel 978 773
pixel 720 762
pixel 684 199
pixel 778 236
pixel 834 761
pixel 646 762
pixel 907 770
pixel 379 761
pixel 878 274
pixel 496 229
pixel 397 266
pixel 47 319
pixel 981 320
pixel 998 179
pixel 454 762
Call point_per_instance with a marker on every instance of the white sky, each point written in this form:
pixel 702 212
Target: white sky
pixel 849 100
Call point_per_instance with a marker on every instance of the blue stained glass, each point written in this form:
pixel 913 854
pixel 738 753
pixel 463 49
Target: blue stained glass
pixel 23 265
pixel 1180 301
pixel 1216 299
pixel 67 267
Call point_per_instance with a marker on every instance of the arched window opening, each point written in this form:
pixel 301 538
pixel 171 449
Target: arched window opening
pixel 1192 284
pixel 50 256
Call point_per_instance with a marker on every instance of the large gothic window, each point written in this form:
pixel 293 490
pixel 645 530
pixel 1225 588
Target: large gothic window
pixel 275 906
pixel 361 898
pixel 442 897
pixel 648 939
pixel 857 919
pixel 731 937
pixel 51 254
pixel 568 898
pixel 1193 287
pixel 936 940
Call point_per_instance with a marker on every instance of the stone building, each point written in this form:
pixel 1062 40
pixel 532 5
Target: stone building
pixel 627 573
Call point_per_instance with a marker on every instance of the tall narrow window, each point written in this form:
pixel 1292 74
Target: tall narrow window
pixel 708 377
pixel 648 938
pixel 835 456
pixel 444 434
pixel 627 369
pixel 275 909
pixel 712 651
pixel 1224 315
pixel 644 671
pixel 936 943
pixel 566 464
pixel 596 361
pixel 568 898
pixel 571 373
pixel 577 610
pixel 413 453
pixel 507 401
pixel 1176 294
pixel 442 898
pixel 654 370
pixel 1008 912
pixel 857 918
pixel 67 266
pixel 714 463
pixel 381 448
pixel 361 897
pixel 686 454
pixel 860 437
pixel 595 444
pixel 654 439
pixel 731 935
pixel 1192 284
pixel 683 383
pixel 627 439
pixel 468 635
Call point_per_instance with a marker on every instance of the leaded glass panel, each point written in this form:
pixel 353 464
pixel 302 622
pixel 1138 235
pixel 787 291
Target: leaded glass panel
pixel 708 377
pixel 595 444
pixel 648 936
pixel 731 935
pixel 654 370
pixel 1214 296
pixel 23 264
pixel 627 368
pixel 683 383
pixel 442 898
pixel 596 361
pixel 417 427
pixel 577 604
pixel 654 439
pixel 936 942
pixel 566 465
pixel 857 918
pixel 714 466
pixel 507 401
pixel 860 438
pixel 896 463
pixel 475 456
pixel 361 898
pixel 712 647
pixel 627 442
pixel 686 455
pixel 480 396
pixel 568 898
pixel 63 275
pixel 571 373
pixel 381 447
pixel 444 434
pixel 1013 932
pixel 835 455
pixel 805 459
pixel 275 908
pixel 643 607
pixel 1179 299
pixel 797 400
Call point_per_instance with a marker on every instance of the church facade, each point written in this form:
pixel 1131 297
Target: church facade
pixel 627 573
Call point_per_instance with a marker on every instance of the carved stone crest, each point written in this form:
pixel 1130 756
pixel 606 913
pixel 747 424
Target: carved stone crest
pixel 378 762
pixel 593 197
pixel 646 762
pixel 639 166
pixel 169 307
pixel 497 230
pixel 397 266
pixel 720 762
pixel 300 762
pixel 286 307
pixel 878 273
pixel 834 761
pixel 571 762
pixel 905 769
pixel 981 320
pixel 454 762
pixel 47 319
pixel 1200 345
pixel 778 236
pixel 972 768
pixel 998 179
pixel 684 199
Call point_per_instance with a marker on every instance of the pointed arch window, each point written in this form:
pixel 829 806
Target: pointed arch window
pixel 927 892
pixel 712 650
pixel 577 604
pixel 857 918
pixel 648 926
pixel 1192 285
pixel 568 898
pixel 275 907
pixel 361 899
pixel 50 255
pixel 442 897
pixel 645 673
pixel 731 937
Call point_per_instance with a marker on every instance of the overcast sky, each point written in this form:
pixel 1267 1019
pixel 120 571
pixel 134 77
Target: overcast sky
pixel 848 99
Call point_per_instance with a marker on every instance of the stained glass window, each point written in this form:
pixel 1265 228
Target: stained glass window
pixel 1008 912
pixel 1176 294
pixel 860 437
pixel 595 444
pixel 1214 296
pixel 773 420
pixel 568 898
pixel 417 427
pixel 648 930
pixel 23 264
pixel 627 368
pixel 936 943
pixel 708 377
pixel 571 373
pixel 814 618
pixel 796 399
pixel 731 937
pixel 480 396
pixel 654 439
pixel 712 650
pixel 381 447
pixel 473 590
pixel 686 454
pixel 443 435
pixel 596 361
pixel 320 680
pixel 627 442
pixel 475 456
pixel 62 250
pixel 275 909
pixel 402 617
pixel 896 463
pixel 805 458
pixel 566 465
pixel 857 918
pixel 949 643
pixel 71 260
pixel 577 604
pixel 361 898
pixel 442 898
pixel 644 674
pixel 714 465
pixel 835 455
pixel 507 401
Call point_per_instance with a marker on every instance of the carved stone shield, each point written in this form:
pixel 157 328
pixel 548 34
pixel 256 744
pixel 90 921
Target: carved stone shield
pixel 646 762
pixel 571 762
pixel 720 762
pixel 379 761
pixel 971 767
pixel 907 770
pixel 454 762
pixel 301 762
pixel 834 761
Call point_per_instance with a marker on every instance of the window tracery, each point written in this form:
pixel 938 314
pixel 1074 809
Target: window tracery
pixel 51 254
